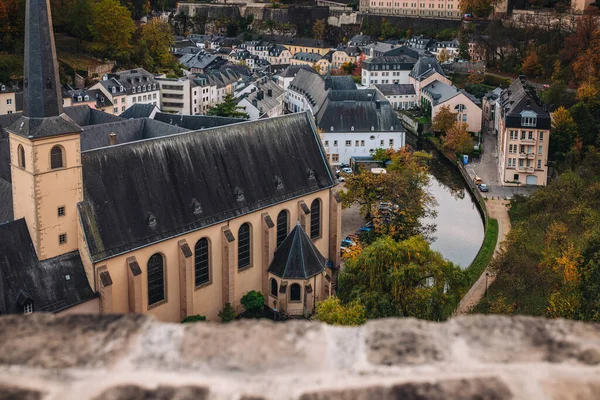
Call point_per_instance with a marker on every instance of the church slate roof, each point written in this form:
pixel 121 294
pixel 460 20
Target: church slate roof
pixel 52 284
pixel 340 83
pixel 292 70
pixel 138 110
pixel 396 89
pixel 297 257
pixel 129 130
pixel 195 122
pixel 226 172
pixel 86 116
pixel 44 127
pixel 6 201
pixel 517 99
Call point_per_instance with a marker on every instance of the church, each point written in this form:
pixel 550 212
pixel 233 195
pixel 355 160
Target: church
pixel 118 216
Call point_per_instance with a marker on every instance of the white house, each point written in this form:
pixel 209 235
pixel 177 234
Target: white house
pixel 387 69
pixel 401 97
pixel 265 100
pixel 356 123
pixel 125 88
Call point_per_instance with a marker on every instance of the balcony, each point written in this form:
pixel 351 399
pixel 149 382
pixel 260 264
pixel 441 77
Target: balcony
pixel 527 140
pixel 522 156
pixel 531 156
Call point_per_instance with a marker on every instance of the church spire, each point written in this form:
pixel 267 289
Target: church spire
pixel 42 91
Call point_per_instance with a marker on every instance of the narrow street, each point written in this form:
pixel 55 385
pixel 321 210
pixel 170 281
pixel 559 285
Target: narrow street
pixel 497 210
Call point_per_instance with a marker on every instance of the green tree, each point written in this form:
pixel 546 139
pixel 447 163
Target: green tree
pixel 349 67
pixel 112 28
pixel 405 279
pixel 155 41
pixel 333 312
pixel 584 119
pixel 228 108
pixel 227 314
pixel 387 30
pixel 253 302
pixel 403 187
pixel 562 134
pixel 78 19
pixel 319 29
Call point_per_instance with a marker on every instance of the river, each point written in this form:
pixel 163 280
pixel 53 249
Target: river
pixel 459 227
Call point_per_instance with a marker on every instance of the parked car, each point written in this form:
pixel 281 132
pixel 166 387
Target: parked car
pixel 347 170
pixel 477 180
pixel 483 187
pixel 348 243
pixel 367 228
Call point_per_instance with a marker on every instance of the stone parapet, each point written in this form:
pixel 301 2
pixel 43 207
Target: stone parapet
pixel 99 357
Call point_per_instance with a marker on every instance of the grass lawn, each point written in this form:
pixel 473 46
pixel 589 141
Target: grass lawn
pixel 486 252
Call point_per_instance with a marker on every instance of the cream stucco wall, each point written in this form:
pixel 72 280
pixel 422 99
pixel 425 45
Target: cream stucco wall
pixel 39 191
pixel 8 103
pixel 208 299
pixel 421 84
pixel 472 111
pixel 305 49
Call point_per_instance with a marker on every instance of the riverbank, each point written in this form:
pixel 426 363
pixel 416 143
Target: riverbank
pixel 498 212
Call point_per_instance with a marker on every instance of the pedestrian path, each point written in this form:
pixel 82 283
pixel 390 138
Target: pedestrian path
pixel 497 210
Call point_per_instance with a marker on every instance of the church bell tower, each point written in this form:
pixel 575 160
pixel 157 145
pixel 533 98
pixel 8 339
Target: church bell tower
pixel 45 152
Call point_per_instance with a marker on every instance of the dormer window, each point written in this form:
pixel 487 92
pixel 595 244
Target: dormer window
pixel 133 90
pixel 528 118
pixel 139 89
pixel 28 308
pixel 154 86
pixel 144 88
pixel 79 98
pixel 86 97
pixel 121 89
pixel 114 89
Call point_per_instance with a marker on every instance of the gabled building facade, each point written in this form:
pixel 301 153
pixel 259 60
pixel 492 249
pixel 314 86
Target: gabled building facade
pixel 523 136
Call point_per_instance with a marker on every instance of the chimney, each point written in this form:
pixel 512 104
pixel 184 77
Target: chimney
pixel 255 103
pixel 260 95
pixel 112 138
pixel 270 92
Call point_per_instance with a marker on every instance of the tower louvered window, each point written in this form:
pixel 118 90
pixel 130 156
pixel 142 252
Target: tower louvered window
pixel 202 261
pixel 156 279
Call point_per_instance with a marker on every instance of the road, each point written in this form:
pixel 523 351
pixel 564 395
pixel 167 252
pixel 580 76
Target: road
pixel 497 209
pixel 486 168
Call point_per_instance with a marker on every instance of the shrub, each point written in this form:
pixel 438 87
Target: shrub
pixel 194 318
pixel 227 314
pixel 253 302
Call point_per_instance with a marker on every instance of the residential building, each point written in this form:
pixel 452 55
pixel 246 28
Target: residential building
pixel 314 60
pixel 343 55
pixel 489 108
pixel 450 47
pixel 178 224
pixel 287 75
pixel 439 94
pixel 9 94
pixel 387 69
pixel 265 100
pixel 279 55
pixel 300 44
pixel 356 123
pixel 400 96
pixel 523 136
pixel 176 95
pixel 427 69
pixel 130 87
pixel 80 97
pixel 381 49
pixel 360 40
pixel 445 9
pixel 201 62
pixel 308 91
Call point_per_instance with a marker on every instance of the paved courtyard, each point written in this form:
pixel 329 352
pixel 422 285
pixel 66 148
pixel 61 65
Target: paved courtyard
pixel 486 167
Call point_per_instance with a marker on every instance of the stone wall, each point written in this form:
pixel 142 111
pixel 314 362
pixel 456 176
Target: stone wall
pixel 135 357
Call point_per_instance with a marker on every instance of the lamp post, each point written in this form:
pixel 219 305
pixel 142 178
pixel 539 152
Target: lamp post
pixel 486 284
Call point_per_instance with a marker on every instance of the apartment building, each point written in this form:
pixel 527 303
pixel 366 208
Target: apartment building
pixel 176 95
pixel 444 9
pixel 315 60
pixel 523 137
pixel 343 55
pixel 387 69
pixel 438 94
pixel 125 88
pixel 8 99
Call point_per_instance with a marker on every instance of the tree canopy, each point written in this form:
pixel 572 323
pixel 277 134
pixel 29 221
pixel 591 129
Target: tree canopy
pixel 405 279
pixel 333 312
pixel 228 108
